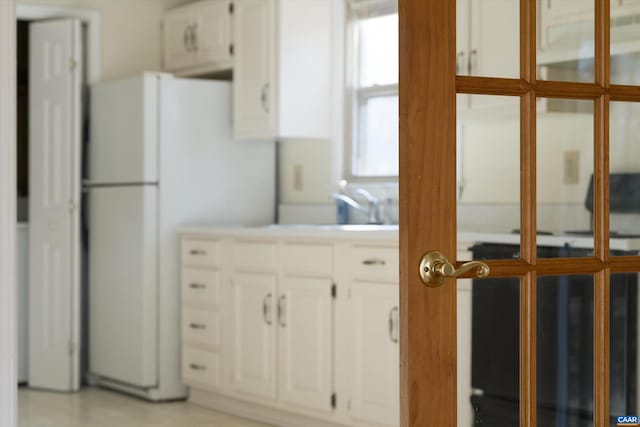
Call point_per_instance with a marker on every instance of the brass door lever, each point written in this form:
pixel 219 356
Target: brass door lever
pixel 435 269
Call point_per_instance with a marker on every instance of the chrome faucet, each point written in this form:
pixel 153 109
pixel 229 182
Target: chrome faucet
pixel 373 210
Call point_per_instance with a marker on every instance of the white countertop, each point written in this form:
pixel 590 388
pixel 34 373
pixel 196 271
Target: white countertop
pixel 390 233
pixel 299 231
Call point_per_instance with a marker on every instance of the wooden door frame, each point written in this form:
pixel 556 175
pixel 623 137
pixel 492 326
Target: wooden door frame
pixel 428 86
pixel 427 74
pixel 8 380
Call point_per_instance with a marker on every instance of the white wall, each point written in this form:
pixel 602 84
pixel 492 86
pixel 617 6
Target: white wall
pixel 131 32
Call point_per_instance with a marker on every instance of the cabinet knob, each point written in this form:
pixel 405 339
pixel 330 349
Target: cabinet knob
pixel 197 367
pixel 199 326
pixel 374 261
pixel 197 252
pixel 197 286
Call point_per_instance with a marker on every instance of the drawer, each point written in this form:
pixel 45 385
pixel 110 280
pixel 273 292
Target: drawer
pixel 307 260
pixel 200 253
pixel 201 368
pixel 254 257
pixel 201 286
pixel 375 263
pixel 201 327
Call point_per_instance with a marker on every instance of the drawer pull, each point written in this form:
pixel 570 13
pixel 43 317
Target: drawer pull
pixel 196 367
pixel 198 252
pixel 266 309
pixel 197 286
pixel 374 261
pixel 197 326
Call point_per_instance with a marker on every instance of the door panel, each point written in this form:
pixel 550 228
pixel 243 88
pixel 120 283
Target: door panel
pixel 305 336
pixel 178 26
pixel 123 264
pixel 374 322
pixel 254 89
pixel 124 131
pixel 54 240
pixel 254 335
pixel 213 30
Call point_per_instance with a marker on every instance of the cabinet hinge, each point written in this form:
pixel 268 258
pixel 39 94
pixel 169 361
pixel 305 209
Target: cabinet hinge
pixel 334 291
pixel 231 49
pixel 334 399
pixel 231 8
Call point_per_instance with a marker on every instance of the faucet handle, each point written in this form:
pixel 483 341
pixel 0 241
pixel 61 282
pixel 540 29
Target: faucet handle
pixel 367 195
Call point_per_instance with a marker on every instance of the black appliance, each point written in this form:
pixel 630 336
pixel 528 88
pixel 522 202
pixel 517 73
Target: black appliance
pixel 565 333
pixel 565 344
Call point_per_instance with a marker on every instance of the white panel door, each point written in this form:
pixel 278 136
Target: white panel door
pixel 375 392
pixel 54 243
pixel 123 284
pixel 253 77
pixel 254 335
pixel 305 319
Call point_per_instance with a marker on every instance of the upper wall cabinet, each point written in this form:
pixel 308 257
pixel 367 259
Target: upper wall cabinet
pixel 282 70
pixel 197 38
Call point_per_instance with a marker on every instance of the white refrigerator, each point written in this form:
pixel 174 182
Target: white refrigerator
pixel 161 154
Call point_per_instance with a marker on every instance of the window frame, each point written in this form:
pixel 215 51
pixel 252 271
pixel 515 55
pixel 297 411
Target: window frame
pixel 356 96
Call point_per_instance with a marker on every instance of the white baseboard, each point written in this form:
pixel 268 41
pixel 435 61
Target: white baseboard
pixel 256 412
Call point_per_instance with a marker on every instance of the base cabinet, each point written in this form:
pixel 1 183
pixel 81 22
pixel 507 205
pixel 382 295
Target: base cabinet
pixel 309 331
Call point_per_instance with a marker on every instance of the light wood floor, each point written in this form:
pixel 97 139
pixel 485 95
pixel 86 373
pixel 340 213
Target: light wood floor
pixel 93 407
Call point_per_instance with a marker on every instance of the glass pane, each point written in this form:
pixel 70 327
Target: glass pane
pixel 488 172
pixel 624 354
pixel 488 352
pixel 564 171
pixel 566 40
pixel 488 38
pixel 377 150
pixel 565 351
pixel 625 35
pixel 379 50
pixel 624 158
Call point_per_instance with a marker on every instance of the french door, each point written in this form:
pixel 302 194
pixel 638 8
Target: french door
pixel 518 129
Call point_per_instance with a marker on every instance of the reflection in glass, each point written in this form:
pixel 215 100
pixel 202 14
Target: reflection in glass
pixel 565 351
pixel 489 335
pixel 624 160
pixel 624 345
pixel 564 171
pixel 566 40
pixel 488 38
pixel 488 172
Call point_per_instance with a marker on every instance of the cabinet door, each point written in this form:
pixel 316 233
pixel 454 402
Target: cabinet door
pixel 254 334
pixel 305 312
pixel 375 395
pixel 213 32
pixel 253 83
pixel 179 52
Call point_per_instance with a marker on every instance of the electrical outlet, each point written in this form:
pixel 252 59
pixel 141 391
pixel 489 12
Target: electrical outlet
pixel 298 182
pixel 571 167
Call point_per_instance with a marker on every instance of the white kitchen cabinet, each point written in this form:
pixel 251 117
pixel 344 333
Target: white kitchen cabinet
pixel 375 393
pixel 306 342
pixel 282 69
pixel 253 334
pixel 197 38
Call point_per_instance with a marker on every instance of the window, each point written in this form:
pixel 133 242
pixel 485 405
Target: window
pixel 374 90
